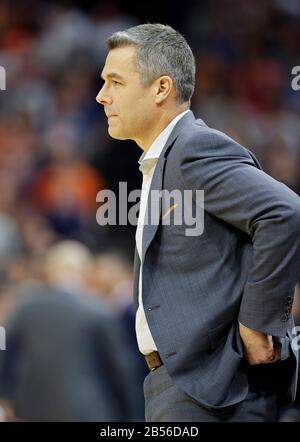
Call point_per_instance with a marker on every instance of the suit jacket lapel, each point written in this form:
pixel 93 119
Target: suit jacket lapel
pixel 150 229
pixel 136 275
pixel 154 213
pixel 153 206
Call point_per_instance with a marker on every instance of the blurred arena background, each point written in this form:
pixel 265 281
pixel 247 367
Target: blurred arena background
pixel 57 265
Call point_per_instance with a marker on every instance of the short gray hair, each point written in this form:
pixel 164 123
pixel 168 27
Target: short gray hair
pixel 160 51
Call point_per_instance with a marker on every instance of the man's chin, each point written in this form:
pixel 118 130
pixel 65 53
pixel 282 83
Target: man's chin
pixel 115 134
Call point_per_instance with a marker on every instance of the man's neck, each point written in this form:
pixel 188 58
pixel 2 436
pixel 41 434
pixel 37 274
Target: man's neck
pixel 161 124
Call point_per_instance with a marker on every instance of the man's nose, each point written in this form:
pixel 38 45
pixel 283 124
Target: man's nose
pixel 103 98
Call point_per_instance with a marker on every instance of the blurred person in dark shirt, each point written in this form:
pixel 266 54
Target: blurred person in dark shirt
pixel 64 351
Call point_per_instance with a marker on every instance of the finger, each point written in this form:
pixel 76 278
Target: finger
pixel 270 342
pixel 268 358
pixel 272 358
pixel 276 356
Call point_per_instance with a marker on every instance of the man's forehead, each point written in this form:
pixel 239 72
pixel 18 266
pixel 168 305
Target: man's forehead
pixel 120 63
pixel 120 58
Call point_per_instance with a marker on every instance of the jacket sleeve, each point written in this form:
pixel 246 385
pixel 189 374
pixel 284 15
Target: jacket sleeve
pixel 239 193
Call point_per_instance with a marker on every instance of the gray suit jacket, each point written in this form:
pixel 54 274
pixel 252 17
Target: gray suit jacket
pixel 243 267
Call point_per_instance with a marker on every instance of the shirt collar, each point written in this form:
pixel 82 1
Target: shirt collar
pixel 149 158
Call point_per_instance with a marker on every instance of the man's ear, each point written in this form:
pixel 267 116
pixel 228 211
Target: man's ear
pixel 163 87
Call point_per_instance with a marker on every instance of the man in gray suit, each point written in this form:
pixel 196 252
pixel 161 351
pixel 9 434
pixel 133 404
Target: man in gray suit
pixel 213 309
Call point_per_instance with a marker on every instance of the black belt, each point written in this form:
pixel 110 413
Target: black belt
pixel 153 360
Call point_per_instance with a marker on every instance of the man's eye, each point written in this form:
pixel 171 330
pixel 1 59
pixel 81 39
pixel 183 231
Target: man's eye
pixel 115 82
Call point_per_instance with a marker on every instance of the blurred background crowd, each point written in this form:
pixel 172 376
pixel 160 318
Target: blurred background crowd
pixel 65 281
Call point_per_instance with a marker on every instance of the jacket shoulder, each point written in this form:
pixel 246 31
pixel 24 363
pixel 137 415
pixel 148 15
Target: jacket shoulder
pixel 201 140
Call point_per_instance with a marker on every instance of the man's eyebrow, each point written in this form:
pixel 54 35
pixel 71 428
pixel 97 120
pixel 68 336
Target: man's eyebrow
pixel 113 75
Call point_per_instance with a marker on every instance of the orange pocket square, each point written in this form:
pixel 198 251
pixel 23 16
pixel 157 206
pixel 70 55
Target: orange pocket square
pixel 170 209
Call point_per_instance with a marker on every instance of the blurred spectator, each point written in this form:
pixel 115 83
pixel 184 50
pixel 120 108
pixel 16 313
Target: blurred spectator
pixel 111 275
pixel 65 351
pixel 65 189
pixel 7 301
pixel 9 238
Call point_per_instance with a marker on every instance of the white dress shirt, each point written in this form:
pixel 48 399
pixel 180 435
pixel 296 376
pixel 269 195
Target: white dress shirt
pixel 148 162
